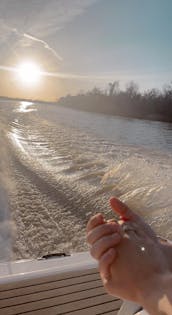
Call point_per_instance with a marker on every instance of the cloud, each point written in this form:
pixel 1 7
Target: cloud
pixel 41 18
pixel 26 26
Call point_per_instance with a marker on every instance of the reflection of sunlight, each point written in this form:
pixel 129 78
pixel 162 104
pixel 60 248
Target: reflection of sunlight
pixel 25 107
pixel 15 136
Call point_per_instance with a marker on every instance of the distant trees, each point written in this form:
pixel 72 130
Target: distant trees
pixel 113 88
pixel 132 89
pixel 95 91
pixel 152 104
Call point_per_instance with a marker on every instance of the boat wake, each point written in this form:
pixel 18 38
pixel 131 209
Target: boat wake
pixel 65 169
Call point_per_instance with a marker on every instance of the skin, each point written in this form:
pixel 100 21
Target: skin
pixel 136 265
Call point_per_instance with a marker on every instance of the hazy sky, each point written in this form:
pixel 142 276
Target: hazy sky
pixel 88 42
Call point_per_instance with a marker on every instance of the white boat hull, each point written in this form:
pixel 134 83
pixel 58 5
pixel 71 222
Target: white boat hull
pixel 68 285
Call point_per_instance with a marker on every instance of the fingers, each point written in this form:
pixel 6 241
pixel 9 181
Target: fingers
pixel 102 230
pixel 104 244
pixel 94 221
pixel 127 214
pixel 121 209
pixel 105 262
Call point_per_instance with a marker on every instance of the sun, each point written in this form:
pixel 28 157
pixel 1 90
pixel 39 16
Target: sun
pixel 28 73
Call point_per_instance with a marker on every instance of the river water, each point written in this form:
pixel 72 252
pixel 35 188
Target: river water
pixel 65 164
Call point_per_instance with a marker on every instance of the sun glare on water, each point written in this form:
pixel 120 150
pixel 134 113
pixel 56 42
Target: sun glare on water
pixel 29 73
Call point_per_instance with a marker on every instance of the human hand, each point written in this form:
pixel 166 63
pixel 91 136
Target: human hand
pixel 103 236
pixel 138 265
pixel 98 229
pixel 141 260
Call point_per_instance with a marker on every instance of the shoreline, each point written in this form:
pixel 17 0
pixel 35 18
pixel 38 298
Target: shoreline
pixel 61 103
pixel 154 119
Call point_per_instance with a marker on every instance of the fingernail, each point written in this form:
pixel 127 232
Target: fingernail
pixel 105 279
pixel 100 216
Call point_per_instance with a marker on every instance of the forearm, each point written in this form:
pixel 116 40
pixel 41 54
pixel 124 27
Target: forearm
pixel 158 301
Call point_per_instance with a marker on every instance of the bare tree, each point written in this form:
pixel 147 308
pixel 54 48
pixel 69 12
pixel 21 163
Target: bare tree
pixel 132 88
pixel 113 88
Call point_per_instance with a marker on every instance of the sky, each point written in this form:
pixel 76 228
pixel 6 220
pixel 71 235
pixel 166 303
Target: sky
pixel 79 44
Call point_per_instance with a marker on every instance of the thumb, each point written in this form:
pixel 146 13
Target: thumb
pixel 122 210
pixel 127 214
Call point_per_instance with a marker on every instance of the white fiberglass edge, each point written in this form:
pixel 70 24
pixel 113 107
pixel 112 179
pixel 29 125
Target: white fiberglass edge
pixel 27 269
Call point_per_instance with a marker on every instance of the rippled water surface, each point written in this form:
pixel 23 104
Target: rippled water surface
pixel 66 164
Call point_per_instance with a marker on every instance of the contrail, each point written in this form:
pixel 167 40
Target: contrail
pixel 44 44
pixel 31 38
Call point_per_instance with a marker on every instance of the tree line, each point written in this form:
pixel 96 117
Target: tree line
pixel 152 104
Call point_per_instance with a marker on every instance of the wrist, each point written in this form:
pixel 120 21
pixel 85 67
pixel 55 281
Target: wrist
pixel 157 297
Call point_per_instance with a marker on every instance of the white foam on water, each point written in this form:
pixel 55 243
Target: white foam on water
pixel 6 226
pixel 67 166
pixel 145 186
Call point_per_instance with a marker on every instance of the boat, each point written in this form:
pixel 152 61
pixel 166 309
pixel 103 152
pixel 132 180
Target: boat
pixel 57 284
pixel 53 285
